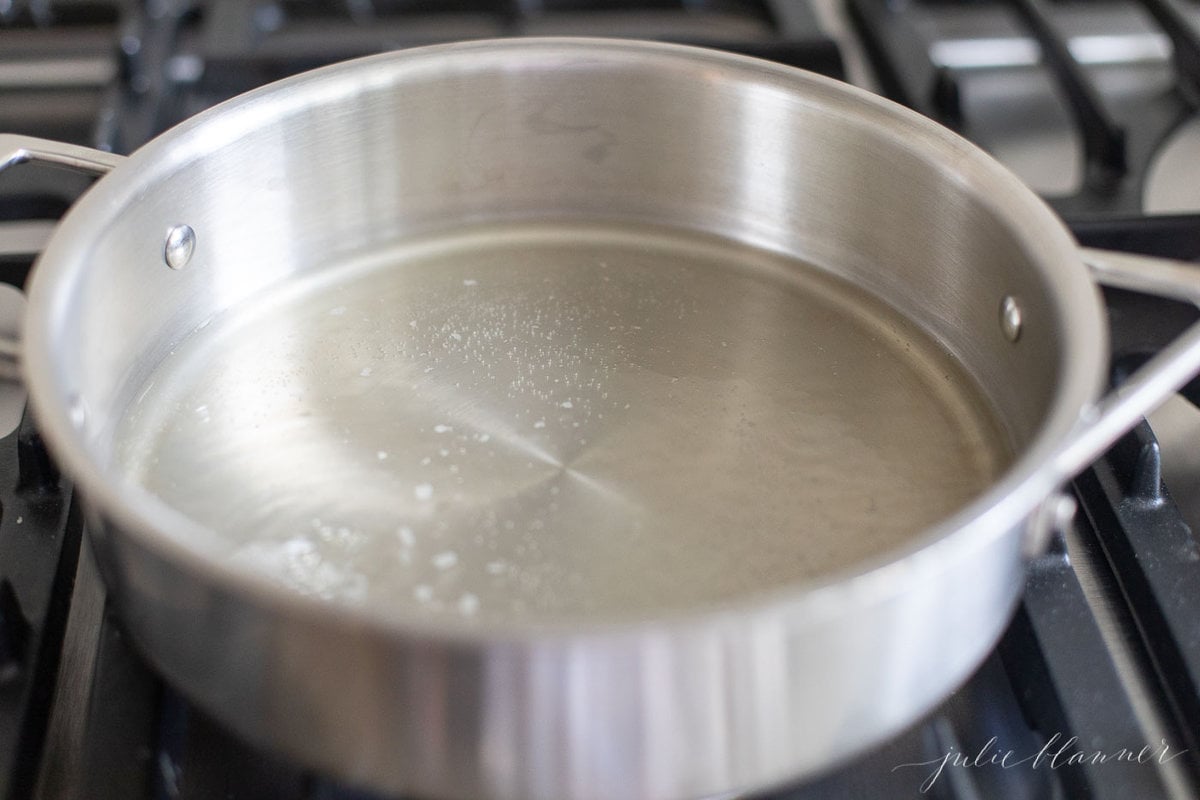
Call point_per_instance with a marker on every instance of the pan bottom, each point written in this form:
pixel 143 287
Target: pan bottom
pixel 550 421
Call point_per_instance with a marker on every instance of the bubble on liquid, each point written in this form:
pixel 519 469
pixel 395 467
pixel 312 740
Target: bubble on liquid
pixel 442 428
pixel 567 404
pixel 541 423
pixel 365 372
pixel 381 455
pixel 423 592
pixel 423 491
pixel 406 535
pixel 445 560
pixel 470 282
pixel 468 604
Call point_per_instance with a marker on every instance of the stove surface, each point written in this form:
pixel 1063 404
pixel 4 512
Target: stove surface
pixel 1094 104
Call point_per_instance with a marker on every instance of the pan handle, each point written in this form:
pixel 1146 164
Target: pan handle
pixel 15 149
pixel 1160 377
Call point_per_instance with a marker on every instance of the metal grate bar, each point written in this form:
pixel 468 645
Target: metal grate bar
pixel 1185 40
pixel 1103 139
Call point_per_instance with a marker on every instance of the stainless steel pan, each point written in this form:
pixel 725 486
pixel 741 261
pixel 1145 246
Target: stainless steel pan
pixel 570 419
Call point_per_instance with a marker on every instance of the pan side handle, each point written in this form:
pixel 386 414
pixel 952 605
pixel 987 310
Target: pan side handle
pixel 15 150
pixel 1151 384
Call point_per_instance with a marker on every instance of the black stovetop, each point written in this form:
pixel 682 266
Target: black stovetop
pixel 1103 656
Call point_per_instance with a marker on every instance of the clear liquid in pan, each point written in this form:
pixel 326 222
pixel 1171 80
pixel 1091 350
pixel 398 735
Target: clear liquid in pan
pixel 550 421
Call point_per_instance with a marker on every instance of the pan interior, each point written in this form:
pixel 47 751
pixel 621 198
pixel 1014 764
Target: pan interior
pixel 560 419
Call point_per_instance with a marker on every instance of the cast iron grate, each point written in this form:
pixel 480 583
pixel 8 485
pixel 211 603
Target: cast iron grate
pixel 1054 673
pixel 1120 129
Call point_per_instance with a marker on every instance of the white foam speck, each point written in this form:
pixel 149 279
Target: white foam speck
pixel 423 592
pixel 423 491
pixel 468 604
pixel 442 428
pixel 470 282
pixel 406 536
pixel 337 312
pixel 366 372
pixel 567 404
pixel 445 559
pixel 412 323
pixel 456 336
pixel 426 461
pixel 381 454
pixel 541 423
pixel 484 437
pixel 496 567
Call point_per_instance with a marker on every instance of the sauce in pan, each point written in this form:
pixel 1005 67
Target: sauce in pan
pixel 552 421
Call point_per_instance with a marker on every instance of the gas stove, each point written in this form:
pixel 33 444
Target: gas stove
pixel 1094 690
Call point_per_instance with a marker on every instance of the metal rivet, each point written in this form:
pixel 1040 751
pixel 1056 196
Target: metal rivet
pixel 1010 318
pixel 181 243
pixel 1063 512
pixel 1049 524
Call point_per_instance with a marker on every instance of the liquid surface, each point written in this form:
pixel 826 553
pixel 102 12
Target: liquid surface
pixel 554 421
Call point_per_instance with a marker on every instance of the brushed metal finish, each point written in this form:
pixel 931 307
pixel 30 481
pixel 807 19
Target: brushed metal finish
pixel 283 185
